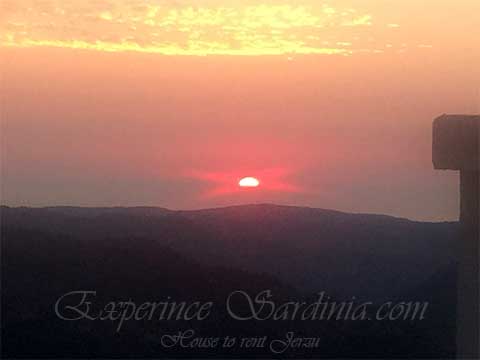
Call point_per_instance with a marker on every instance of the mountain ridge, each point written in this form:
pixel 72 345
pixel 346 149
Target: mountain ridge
pixel 214 209
pixel 309 248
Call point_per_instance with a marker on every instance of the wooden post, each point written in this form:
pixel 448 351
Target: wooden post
pixel 456 147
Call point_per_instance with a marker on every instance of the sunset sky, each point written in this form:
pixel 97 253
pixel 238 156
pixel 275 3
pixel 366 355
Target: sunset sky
pixel 170 103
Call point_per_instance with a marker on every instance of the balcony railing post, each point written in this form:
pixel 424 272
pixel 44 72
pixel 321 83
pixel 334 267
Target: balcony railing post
pixel 456 147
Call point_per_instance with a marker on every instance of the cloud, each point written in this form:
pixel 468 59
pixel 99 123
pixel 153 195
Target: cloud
pixel 181 27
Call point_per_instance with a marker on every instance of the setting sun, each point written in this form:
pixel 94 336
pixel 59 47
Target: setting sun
pixel 248 182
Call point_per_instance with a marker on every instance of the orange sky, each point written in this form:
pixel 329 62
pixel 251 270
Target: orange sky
pixel 168 103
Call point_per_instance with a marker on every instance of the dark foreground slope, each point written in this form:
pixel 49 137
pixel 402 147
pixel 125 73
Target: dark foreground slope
pixel 151 254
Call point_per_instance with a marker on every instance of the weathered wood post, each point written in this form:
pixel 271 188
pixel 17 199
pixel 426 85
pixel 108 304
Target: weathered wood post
pixel 456 147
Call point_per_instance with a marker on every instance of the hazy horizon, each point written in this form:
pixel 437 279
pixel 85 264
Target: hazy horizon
pixel 220 207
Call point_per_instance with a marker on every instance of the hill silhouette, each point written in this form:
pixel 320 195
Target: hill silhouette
pixel 148 253
pixel 311 249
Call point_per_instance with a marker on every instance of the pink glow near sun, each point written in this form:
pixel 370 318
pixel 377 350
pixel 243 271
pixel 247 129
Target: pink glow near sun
pixel 230 183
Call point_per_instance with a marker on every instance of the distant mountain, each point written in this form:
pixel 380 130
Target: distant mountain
pixel 312 249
